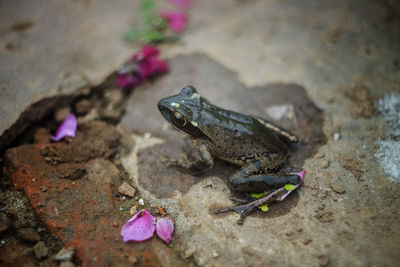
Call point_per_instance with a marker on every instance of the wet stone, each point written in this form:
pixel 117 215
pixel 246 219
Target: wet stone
pixel 40 250
pixel 221 87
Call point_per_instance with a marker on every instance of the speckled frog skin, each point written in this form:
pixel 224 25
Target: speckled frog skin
pixel 258 146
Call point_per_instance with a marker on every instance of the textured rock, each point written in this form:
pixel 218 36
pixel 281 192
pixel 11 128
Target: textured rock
pixel 127 190
pixel 40 250
pixel 80 211
pixel 65 254
pixel 5 222
pixel 29 235
pixel 44 57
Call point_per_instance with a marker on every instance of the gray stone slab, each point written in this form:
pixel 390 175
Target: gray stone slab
pixel 173 187
pixel 53 48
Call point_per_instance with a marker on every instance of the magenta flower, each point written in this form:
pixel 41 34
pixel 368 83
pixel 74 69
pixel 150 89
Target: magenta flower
pixel 67 128
pixel 143 66
pixel 182 3
pixel 146 52
pixel 139 228
pixel 126 81
pixel 301 174
pixel 177 21
pixel 165 229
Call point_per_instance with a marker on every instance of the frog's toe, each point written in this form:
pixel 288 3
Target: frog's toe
pixel 245 209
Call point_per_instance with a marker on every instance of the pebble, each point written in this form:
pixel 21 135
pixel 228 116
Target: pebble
pixel 141 201
pixel 134 210
pixel 336 136
pixel 5 222
pixel 325 164
pixel 83 106
pixel 127 190
pixel 29 235
pixel 40 250
pixel 65 254
pixel 62 113
pixel 337 188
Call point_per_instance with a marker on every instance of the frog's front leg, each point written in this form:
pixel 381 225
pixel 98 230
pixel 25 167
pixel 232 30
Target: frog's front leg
pixel 204 161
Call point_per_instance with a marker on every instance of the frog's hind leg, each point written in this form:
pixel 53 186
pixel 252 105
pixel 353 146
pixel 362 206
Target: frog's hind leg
pixel 245 209
pixel 260 183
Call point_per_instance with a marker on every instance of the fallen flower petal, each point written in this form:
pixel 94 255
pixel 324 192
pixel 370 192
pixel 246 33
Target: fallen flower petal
pixel 128 80
pixel 151 67
pixel 177 21
pixel 67 128
pixel 146 52
pixel 165 229
pixel 301 174
pixel 139 228
pixel 143 65
pixel 182 3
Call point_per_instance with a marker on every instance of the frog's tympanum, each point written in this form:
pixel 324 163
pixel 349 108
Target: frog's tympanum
pixel 258 146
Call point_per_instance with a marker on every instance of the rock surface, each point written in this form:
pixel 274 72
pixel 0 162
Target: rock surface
pixel 40 250
pixel 344 54
pixel 312 217
pixel 51 49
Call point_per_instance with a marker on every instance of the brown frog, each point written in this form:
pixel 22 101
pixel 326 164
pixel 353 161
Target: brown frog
pixel 257 145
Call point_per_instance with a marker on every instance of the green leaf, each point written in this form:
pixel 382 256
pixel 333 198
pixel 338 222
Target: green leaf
pixel 257 195
pixel 151 35
pixel 289 187
pixel 147 6
pixel 132 34
pixel 264 208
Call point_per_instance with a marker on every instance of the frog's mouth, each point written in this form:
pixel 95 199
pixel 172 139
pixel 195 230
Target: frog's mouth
pixel 180 122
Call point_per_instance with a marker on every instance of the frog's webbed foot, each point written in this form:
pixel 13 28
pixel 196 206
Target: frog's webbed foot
pixel 245 209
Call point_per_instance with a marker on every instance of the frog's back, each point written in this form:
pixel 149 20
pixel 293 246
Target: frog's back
pixel 239 138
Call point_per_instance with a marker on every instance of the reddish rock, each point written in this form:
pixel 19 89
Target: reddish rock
pixel 80 212
pixel 127 190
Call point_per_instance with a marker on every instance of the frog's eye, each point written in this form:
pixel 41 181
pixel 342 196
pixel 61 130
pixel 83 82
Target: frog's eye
pixel 179 119
pixel 188 91
pixel 178 115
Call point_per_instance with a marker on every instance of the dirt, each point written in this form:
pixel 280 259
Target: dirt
pixel 360 102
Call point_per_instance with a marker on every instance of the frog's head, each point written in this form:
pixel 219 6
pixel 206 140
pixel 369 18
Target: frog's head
pixel 181 109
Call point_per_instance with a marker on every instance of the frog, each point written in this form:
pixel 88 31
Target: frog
pixel 257 146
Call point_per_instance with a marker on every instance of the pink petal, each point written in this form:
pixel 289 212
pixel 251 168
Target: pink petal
pixel 151 67
pixel 139 228
pixel 301 174
pixel 67 128
pixel 177 21
pixel 146 52
pixel 165 229
pixel 128 80
pixel 182 3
